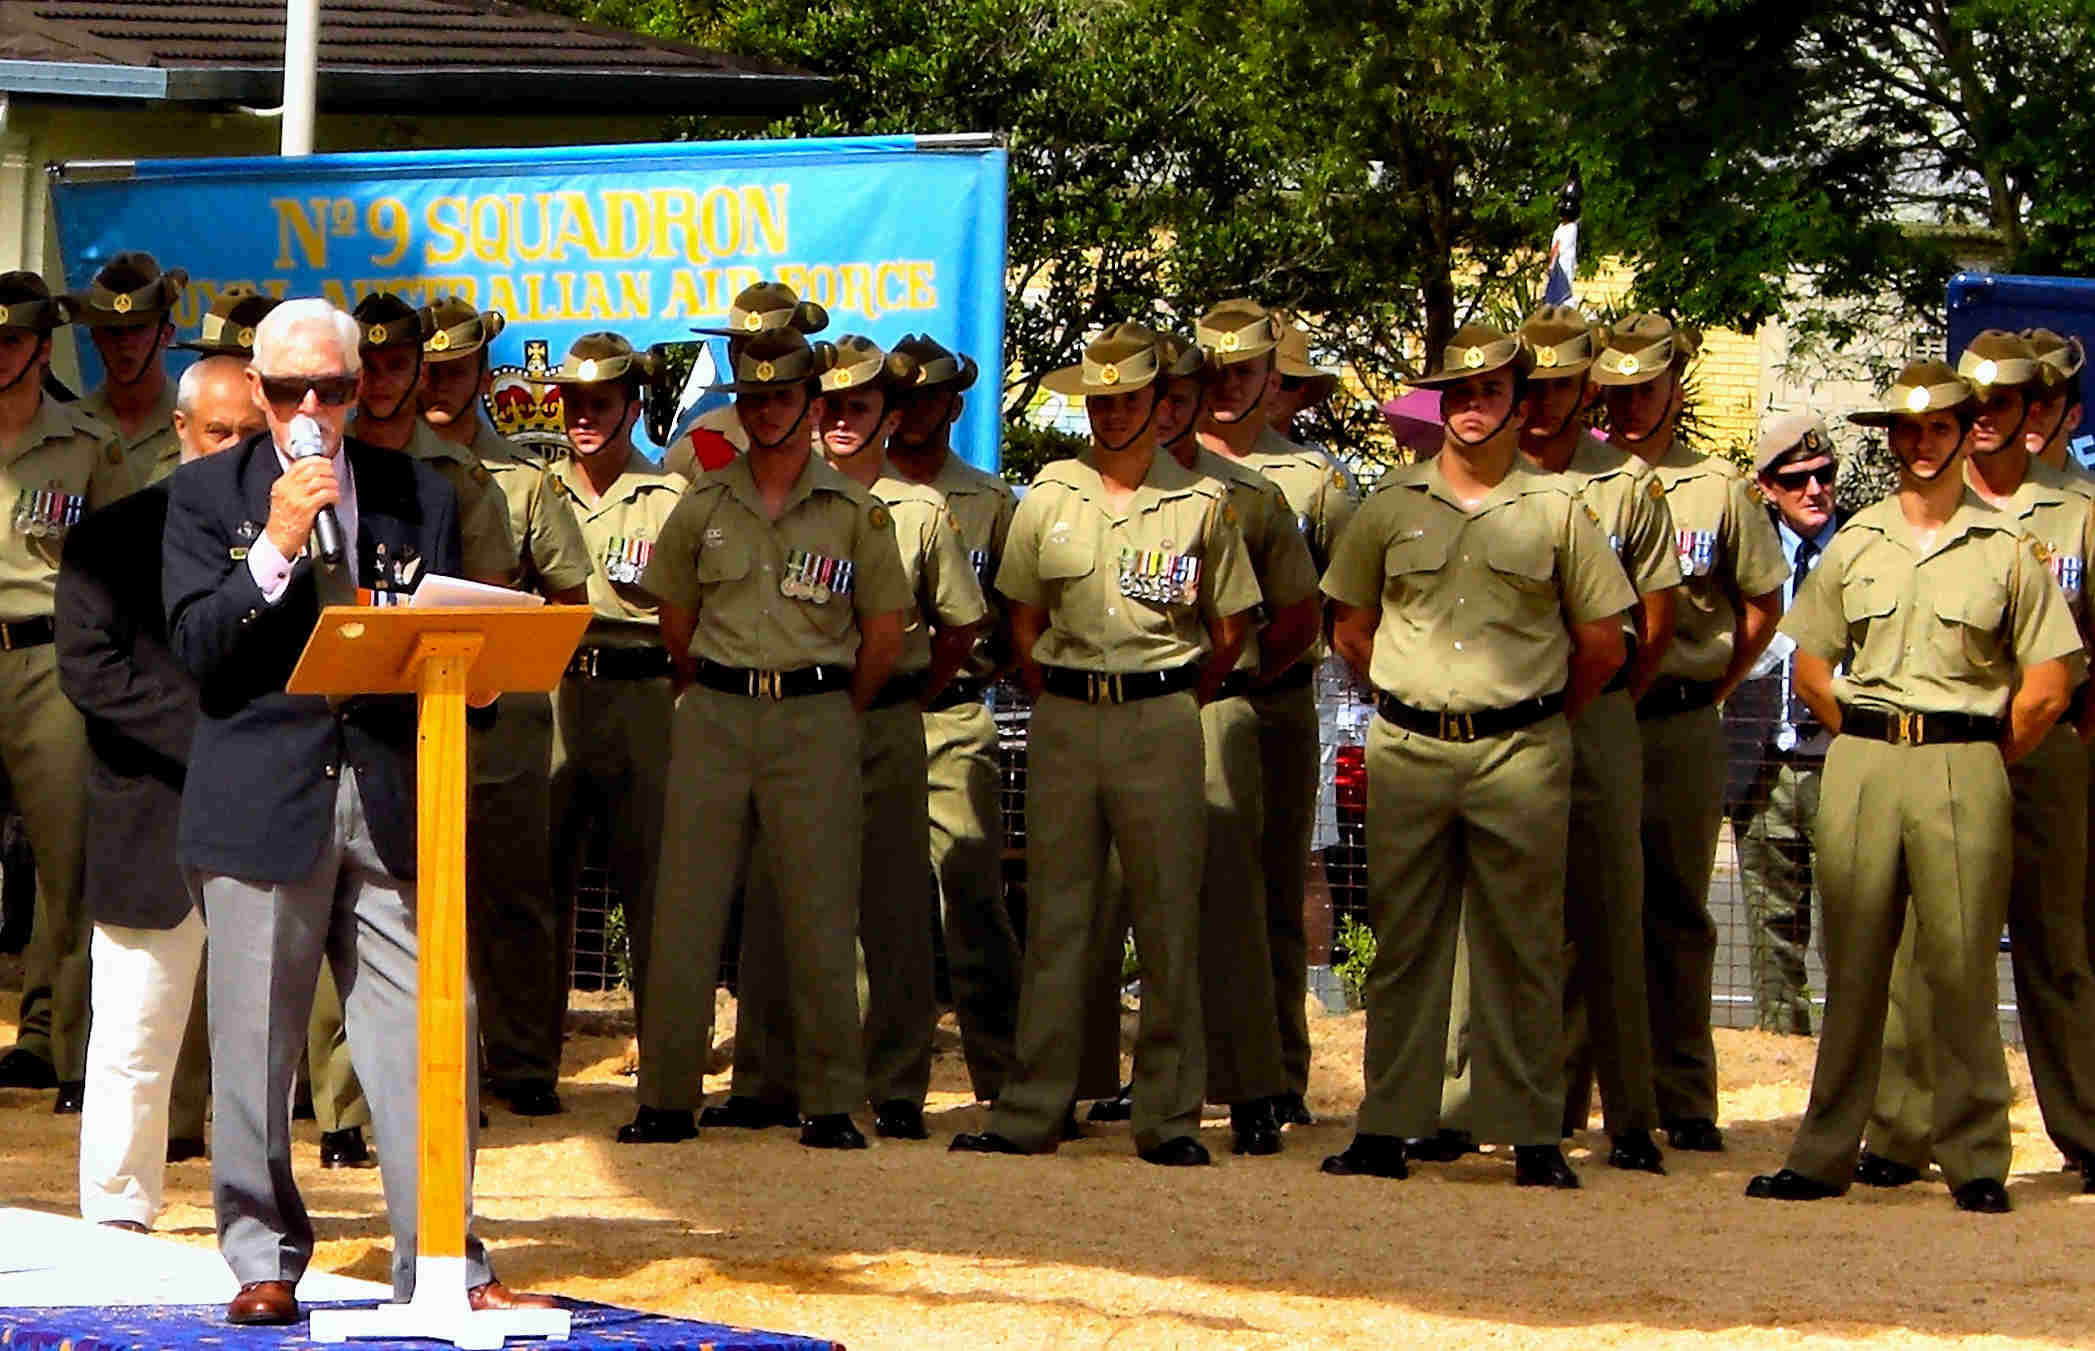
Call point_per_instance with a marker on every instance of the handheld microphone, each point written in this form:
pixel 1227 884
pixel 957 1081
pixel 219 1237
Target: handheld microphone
pixel 306 442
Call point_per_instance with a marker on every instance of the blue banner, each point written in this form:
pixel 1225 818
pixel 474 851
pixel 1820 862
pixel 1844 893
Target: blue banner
pixel 650 241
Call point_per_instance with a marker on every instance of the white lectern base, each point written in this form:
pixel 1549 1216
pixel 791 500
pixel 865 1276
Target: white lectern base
pixel 439 1310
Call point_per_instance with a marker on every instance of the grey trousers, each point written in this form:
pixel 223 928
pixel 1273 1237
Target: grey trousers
pixel 272 938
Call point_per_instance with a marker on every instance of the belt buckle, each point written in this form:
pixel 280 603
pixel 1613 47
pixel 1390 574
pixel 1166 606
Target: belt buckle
pixel 1102 688
pixel 764 685
pixel 1457 727
pixel 7 637
pixel 1912 728
pixel 589 662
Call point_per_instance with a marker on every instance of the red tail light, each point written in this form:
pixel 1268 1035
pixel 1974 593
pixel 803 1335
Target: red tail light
pixel 1350 778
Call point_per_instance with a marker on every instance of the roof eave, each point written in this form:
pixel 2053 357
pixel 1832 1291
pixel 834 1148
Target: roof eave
pixel 508 90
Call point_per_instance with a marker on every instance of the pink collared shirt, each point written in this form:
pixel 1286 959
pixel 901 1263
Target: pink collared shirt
pixel 267 564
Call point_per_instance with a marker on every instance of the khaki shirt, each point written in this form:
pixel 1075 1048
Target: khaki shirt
pixel 1279 554
pixel 1320 495
pixel 1474 602
pixel 488 552
pixel 983 504
pixel 551 555
pixel 621 530
pixel 155 452
pixel 1728 551
pixel 65 465
pixel 681 459
pixel 1940 630
pixel 2055 511
pixel 1126 592
pixel 778 595
pixel 942 582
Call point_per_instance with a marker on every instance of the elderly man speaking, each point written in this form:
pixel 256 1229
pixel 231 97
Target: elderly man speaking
pixel 298 816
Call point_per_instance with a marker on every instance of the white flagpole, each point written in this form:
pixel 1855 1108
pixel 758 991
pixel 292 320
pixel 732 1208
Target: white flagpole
pixel 301 62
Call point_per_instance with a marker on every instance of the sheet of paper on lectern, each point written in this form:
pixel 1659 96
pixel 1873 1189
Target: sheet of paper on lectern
pixel 437 590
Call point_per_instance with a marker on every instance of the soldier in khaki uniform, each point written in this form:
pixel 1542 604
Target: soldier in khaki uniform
pixel 127 311
pixel 1129 590
pixel 515 928
pixel 611 713
pixel 228 327
pixel 717 436
pixel 1607 1015
pixel 960 736
pixel 1733 570
pixel 1958 653
pixel 2055 402
pixel 1243 340
pixel 56 465
pixel 855 417
pixel 1481 597
pixel 783 601
pixel 2047 926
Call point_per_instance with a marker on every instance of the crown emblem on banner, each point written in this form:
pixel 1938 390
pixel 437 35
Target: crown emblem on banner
pixel 522 405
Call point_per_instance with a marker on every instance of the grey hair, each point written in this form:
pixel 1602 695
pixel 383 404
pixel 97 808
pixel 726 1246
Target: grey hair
pixel 192 382
pixel 276 328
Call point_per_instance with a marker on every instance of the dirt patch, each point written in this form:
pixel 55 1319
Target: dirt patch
pixel 906 1245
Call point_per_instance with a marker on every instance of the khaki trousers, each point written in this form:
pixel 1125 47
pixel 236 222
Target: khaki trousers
pixel 1684 758
pixel 2054 992
pixel 1919 832
pixel 1468 837
pixel 780 776
pixel 1100 775
pixel 1773 830
pixel 1289 764
pixel 514 924
pixel 43 744
pixel 967 848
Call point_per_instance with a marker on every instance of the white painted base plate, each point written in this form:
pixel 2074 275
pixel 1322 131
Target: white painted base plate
pixel 439 1310
pixel 57 1261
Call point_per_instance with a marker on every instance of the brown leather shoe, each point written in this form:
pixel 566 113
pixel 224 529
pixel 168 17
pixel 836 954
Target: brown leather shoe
pixel 128 1226
pixel 495 1295
pixel 270 1302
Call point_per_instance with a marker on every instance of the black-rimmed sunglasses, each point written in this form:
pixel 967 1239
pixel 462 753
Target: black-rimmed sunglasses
pixel 1794 480
pixel 289 391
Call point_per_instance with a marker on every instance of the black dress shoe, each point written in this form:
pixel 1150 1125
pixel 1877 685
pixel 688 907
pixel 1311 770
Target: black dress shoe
pixel 183 1148
pixel 1370 1156
pixel 531 1099
pixel 70 1097
pixel 834 1130
pixel 1443 1146
pixel 1119 1107
pixel 1252 1128
pixel 1181 1151
pixel 263 1303
pixel 344 1148
pixel 1070 1129
pixel 1790 1185
pixel 1982 1196
pixel 1635 1152
pixel 22 1069
pixel 658 1126
pixel 899 1120
pixel 1697 1134
pixel 745 1113
pixel 1542 1166
pixel 302 1105
pixel 1874 1170
pixel 983 1142
pixel 2087 1178
pixel 1290 1110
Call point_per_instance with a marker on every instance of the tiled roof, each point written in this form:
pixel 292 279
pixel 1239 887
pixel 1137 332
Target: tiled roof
pixel 232 50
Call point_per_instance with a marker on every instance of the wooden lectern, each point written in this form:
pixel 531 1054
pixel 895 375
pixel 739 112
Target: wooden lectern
pixel 440 654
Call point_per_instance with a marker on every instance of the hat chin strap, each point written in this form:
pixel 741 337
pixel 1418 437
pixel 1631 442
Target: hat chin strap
pixel 1490 436
pixel 2013 436
pixel 807 401
pixel 401 402
pixel 28 365
pixel 1956 457
pixel 1665 418
pixel 1252 407
pixel 144 363
pixel 1133 436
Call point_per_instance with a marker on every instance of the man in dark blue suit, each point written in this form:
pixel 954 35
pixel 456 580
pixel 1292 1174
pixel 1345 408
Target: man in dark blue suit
pixel 298 814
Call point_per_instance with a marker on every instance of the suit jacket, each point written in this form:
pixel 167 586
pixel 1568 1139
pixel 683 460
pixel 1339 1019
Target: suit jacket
pixel 259 799
pixel 139 705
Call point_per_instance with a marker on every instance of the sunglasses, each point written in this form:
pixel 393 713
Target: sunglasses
pixel 288 391
pixel 1794 480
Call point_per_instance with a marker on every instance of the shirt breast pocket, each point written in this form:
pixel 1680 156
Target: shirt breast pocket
pixel 1411 559
pixel 1524 564
pixel 1066 558
pixel 1971 622
pixel 727 561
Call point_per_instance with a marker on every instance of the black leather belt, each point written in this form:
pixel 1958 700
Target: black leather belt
pixel 898 690
pixel 26 633
pixel 1669 697
pixel 1620 680
pixel 1901 728
pixel 1099 687
pixel 956 693
pixel 1486 722
pixel 792 684
pixel 619 663
pixel 1295 677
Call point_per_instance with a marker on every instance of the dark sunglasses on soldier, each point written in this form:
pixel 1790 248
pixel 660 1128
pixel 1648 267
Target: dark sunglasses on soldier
pixel 289 391
pixel 1793 480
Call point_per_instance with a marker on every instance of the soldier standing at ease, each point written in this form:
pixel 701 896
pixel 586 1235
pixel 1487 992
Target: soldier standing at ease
pixel 855 417
pixel 1730 599
pixel 1481 597
pixel 515 931
pixel 960 736
pixel 2055 402
pixel 2047 926
pixel 56 465
pixel 1957 654
pixel 128 312
pixel 1243 339
pixel 1129 591
pixel 783 597
pixel 717 436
